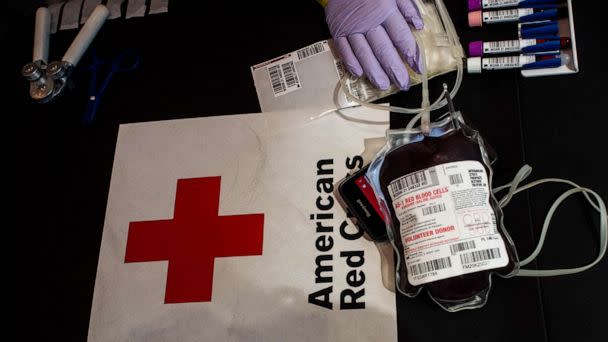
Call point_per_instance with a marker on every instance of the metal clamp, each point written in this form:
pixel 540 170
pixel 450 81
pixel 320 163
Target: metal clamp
pixel 47 81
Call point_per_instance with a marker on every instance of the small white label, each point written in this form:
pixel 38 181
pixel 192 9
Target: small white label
pixel 447 225
pixel 283 77
pixel 506 15
pixel 499 3
pixel 312 50
pixel 501 46
pixel 505 46
pixel 282 71
pixel 506 62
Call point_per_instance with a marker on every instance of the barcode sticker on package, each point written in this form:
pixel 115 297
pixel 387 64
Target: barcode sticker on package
pixel 312 50
pixel 506 62
pixel 414 181
pixel 499 3
pixel 447 225
pixel 283 77
pixel 283 71
pixel 506 46
pixel 318 71
pixel 506 15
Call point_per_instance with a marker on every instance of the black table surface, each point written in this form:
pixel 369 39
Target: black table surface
pixel 195 65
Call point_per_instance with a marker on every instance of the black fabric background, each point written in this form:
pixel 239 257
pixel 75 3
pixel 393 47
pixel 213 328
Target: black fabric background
pixel 59 171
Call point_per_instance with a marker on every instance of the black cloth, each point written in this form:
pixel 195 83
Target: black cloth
pixel 60 170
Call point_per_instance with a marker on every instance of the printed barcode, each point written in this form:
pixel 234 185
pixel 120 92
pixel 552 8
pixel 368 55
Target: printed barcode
pixel 507 60
pixel 339 67
pixel 432 265
pixel 492 3
pixel 276 79
pixel 409 182
pixel 462 246
pixel 291 76
pixel 456 179
pixel 504 44
pixel 508 13
pixel 310 50
pixel 284 78
pixel 433 209
pixel 483 255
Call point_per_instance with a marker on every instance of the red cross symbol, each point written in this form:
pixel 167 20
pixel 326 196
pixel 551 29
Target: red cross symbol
pixel 193 239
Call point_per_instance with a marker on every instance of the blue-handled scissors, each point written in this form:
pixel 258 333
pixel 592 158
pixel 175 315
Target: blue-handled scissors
pixel 127 60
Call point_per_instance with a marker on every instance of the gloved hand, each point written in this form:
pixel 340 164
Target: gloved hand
pixel 370 35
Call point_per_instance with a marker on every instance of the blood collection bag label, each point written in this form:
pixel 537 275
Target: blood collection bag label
pixel 506 15
pixel 505 46
pixel 447 225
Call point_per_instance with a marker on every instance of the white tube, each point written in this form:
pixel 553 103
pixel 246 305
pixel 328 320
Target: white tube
pixel 425 114
pixel 86 35
pixel 42 32
pixel 88 6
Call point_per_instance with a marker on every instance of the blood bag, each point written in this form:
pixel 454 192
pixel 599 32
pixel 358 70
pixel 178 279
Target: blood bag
pixel 444 223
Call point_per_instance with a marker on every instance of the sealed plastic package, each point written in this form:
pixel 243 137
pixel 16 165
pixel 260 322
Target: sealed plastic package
pixel 445 224
pixel 438 44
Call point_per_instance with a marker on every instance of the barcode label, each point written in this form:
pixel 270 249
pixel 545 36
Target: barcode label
pixel 456 179
pixel 505 46
pixel 291 76
pixel 506 15
pixel 408 183
pixel 283 78
pixel 501 46
pixel 433 209
pixel 499 3
pixel 429 266
pixel 311 50
pixel 506 62
pixel 339 67
pixel 276 79
pixel 477 256
pixel 462 246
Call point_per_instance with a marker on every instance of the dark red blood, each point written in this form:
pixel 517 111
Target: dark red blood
pixel 452 147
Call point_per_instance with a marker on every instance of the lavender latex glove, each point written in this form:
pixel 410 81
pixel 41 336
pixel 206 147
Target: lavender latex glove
pixel 371 35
